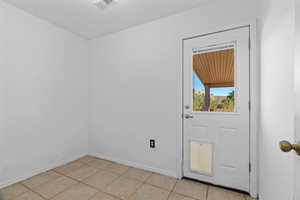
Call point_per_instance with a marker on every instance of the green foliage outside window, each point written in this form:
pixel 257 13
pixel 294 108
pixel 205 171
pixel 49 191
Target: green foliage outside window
pixel 226 105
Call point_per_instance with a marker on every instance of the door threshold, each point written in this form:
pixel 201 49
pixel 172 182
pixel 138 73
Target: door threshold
pixel 219 186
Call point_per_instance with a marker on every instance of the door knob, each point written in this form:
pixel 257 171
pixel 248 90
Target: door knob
pixel 286 146
pixel 187 116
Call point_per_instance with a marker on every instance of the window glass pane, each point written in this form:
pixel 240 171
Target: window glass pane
pixel 213 81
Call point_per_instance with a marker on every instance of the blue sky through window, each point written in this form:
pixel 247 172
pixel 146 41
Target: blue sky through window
pixel 215 91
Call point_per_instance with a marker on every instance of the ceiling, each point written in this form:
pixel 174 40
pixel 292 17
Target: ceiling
pixel 216 68
pixel 85 19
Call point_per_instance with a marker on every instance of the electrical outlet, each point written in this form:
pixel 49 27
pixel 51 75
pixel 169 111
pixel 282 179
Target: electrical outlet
pixel 152 144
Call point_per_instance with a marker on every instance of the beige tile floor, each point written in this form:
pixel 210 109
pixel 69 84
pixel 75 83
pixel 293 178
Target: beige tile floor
pixel 90 178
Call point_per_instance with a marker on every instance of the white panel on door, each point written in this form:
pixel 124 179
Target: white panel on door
pixel 228 147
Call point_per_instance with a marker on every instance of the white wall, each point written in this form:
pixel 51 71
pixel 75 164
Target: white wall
pixel 43 95
pixel 136 85
pixel 277 98
pixel 135 91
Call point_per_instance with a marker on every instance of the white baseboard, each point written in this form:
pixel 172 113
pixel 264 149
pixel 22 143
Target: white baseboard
pixel 137 165
pixel 62 162
pixel 38 171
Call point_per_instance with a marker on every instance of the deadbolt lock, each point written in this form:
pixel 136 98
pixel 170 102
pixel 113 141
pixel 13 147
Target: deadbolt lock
pixel 286 146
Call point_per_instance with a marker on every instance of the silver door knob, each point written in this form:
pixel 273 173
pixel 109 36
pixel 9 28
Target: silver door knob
pixel 187 116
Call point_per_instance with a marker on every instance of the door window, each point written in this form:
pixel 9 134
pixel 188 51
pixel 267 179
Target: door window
pixel 214 80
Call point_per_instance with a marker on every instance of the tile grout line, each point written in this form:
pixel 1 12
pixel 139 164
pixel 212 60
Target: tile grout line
pixel 98 170
pixel 106 169
pixel 77 181
pixel 207 190
pixel 80 182
pixel 172 190
pixel 169 195
pixel 22 192
pixel 98 190
pixel 31 190
pixel 184 195
pixel 143 183
pixel 146 183
pixel 124 176
pixel 64 189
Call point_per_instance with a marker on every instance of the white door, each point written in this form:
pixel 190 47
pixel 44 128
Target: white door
pixel 216 108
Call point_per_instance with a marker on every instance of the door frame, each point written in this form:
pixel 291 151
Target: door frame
pixel 254 102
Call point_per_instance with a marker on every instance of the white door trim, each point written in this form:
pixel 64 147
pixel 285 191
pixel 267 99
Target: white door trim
pixel 254 103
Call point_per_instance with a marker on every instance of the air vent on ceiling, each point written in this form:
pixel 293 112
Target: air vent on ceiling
pixel 104 3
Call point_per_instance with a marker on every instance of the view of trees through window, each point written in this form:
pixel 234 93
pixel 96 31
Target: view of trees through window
pixel 221 99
